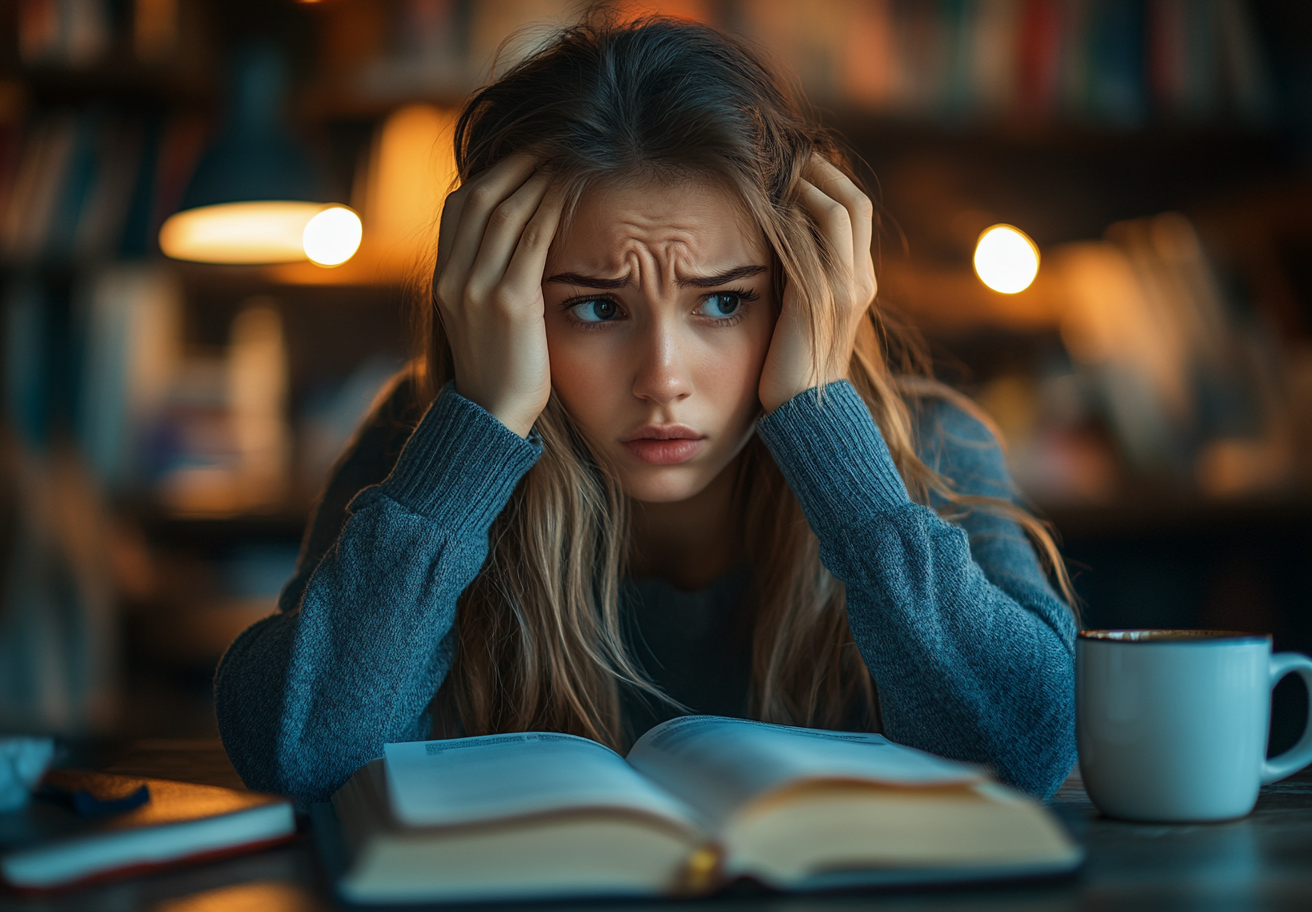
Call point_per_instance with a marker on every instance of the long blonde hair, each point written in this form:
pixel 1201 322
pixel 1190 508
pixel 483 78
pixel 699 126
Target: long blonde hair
pixel 542 641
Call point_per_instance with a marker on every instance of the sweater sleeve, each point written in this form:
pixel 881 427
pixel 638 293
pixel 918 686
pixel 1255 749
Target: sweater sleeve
pixel 971 649
pixel 363 638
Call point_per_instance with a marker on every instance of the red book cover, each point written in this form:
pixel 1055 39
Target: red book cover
pixel 1039 52
pixel 49 844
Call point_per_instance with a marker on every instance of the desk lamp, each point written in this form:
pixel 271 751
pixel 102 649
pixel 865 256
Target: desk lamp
pixel 254 198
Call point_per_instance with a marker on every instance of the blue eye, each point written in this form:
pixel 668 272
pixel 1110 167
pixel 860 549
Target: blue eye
pixel 720 304
pixel 596 310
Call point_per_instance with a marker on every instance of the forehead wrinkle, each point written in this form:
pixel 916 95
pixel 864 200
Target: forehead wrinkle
pixel 673 251
pixel 658 243
pixel 656 262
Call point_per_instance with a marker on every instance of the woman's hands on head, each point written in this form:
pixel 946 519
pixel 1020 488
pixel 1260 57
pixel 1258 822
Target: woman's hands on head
pixel 487 287
pixel 798 358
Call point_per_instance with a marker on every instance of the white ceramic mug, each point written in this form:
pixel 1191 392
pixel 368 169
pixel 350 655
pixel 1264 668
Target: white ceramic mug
pixel 1172 724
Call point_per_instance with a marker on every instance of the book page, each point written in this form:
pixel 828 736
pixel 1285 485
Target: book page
pixel 717 764
pixel 494 777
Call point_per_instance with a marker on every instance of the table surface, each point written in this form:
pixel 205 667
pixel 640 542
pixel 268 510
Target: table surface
pixel 1261 862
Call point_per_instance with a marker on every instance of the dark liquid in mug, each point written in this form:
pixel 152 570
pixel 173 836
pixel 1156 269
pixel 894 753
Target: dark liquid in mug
pixel 1168 636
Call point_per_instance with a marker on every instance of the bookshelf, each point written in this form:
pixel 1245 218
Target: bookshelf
pixel 1061 117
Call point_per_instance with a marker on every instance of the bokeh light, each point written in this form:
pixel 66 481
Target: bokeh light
pixel 333 236
pixel 268 231
pixel 1006 260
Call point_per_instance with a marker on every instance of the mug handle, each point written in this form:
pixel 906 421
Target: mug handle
pixel 1300 755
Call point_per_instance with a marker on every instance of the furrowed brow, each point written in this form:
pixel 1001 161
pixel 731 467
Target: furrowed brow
pixel 604 284
pixel 723 278
pixel 573 278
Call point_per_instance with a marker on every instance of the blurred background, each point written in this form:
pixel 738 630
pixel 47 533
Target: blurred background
pixel 182 360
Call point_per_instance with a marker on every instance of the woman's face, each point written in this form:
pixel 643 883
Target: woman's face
pixel 659 314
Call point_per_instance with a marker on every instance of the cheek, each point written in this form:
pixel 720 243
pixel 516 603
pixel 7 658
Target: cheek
pixel 732 363
pixel 729 370
pixel 744 353
pixel 583 372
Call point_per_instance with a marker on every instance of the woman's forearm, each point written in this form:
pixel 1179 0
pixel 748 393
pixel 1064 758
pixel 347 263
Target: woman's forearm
pixel 964 668
pixel 304 698
pixel 971 651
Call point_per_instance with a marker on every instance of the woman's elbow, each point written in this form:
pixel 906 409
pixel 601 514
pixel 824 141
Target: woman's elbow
pixel 249 705
pixel 1041 759
pixel 267 761
pixel 1043 776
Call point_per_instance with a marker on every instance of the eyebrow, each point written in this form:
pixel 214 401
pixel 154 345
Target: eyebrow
pixel 582 281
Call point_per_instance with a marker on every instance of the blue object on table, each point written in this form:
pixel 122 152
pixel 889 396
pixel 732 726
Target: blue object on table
pixel 23 761
pixel 88 805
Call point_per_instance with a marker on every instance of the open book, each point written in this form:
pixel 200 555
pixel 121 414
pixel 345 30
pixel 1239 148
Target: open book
pixel 699 802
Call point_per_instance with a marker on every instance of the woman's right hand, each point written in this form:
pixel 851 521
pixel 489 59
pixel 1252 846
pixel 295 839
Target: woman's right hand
pixel 487 286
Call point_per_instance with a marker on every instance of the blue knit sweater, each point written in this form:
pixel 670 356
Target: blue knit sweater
pixel 970 648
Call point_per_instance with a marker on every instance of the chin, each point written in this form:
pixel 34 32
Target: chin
pixel 663 485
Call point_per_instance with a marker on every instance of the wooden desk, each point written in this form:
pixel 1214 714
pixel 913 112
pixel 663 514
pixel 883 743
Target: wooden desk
pixel 1261 862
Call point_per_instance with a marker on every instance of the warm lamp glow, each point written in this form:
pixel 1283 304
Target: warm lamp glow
pixel 275 231
pixel 333 236
pixel 1006 260
pixel 413 168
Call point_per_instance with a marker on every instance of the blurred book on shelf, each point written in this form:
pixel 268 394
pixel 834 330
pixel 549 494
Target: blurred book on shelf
pixel 73 34
pixel 84 34
pixel 221 444
pixel 132 316
pixel 85 185
pixel 1115 62
pixel 1111 62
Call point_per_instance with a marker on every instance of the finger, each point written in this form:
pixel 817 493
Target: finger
pixel 466 210
pixel 838 186
pixel 446 233
pixel 475 203
pixel 526 270
pixel 833 219
pixel 505 226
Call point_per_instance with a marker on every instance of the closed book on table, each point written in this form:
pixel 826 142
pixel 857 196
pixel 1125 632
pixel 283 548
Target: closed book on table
pixel 49 844
pixel 698 803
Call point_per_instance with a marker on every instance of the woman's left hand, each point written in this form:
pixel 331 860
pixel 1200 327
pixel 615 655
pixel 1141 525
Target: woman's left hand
pixel 800 359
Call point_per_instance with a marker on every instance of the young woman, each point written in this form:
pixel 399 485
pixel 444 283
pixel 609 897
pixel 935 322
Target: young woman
pixel 656 459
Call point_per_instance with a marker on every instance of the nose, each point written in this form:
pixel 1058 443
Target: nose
pixel 661 376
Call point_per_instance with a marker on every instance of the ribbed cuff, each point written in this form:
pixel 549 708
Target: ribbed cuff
pixel 833 455
pixel 460 463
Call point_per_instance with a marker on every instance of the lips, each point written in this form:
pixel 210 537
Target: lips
pixel 664 444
